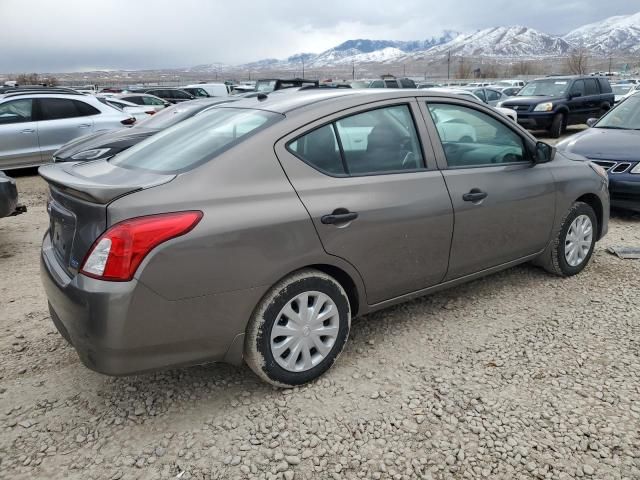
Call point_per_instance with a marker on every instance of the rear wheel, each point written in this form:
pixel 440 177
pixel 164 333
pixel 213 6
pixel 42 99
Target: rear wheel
pixel 557 125
pixel 299 329
pixel 573 247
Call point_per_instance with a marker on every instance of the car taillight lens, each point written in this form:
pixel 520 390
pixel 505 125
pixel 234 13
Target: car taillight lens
pixel 118 252
pixel 128 121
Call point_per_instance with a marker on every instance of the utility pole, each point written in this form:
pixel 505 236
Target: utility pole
pixel 353 70
pixel 303 68
pixel 609 65
pixel 404 69
pixel 449 64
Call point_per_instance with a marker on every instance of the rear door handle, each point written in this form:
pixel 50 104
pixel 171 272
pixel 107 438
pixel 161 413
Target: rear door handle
pixel 28 130
pixel 339 215
pixel 475 195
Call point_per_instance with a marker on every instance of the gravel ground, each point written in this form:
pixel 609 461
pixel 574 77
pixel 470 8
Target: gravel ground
pixel 518 375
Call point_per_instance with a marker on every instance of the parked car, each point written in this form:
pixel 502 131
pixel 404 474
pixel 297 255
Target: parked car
pixel 490 96
pixel 508 91
pixel 9 205
pixel 136 111
pixel 212 89
pixel 144 99
pixel 34 125
pixel 553 103
pixel 510 83
pixel 197 92
pixel 106 144
pixel 259 229
pixel 623 90
pixel 172 95
pixel 268 85
pixel 469 95
pixel 392 83
pixel 613 142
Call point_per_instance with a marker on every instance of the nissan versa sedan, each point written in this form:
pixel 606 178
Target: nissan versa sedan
pixel 259 229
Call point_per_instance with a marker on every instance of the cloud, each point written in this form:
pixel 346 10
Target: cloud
pixel 71 35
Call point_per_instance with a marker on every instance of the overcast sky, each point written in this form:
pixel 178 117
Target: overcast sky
pixel 73 35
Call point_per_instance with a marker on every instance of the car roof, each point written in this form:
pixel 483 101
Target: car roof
pixel 75 96
pixel 284 101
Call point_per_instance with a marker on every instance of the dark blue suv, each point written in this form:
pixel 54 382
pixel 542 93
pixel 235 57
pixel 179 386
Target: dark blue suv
pixel 552 103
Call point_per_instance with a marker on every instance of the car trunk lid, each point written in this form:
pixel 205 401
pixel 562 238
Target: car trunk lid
pixel 79 197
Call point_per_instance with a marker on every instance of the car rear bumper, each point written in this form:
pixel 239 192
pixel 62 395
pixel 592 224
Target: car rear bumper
pixel 121 328
pixel 624 194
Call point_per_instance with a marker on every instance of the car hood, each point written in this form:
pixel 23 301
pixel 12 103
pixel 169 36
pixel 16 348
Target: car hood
pixel 604 144
pixel 117 140
pixel 528 100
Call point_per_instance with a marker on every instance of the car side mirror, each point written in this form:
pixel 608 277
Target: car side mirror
pixel 591 122
pixel 543 153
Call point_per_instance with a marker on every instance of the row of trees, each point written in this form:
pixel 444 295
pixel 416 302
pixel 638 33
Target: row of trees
pixel 34 79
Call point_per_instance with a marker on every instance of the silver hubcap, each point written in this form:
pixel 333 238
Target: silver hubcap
pixel 305 331
pixel 578 240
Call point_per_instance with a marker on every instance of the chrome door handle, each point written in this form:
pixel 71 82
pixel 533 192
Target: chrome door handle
pixel 84 125
pixel 28 130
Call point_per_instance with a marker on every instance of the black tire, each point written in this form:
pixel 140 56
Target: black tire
pixel 557 125
pixel 555 261
pixel 257 347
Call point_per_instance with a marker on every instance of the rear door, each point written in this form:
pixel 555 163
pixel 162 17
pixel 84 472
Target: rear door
pixel 503 206
pixel 18 134
pixel 60 121
pixel 374 194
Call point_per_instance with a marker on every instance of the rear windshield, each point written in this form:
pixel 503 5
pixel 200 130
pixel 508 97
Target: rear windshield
pixel 196 140
pixel 169 116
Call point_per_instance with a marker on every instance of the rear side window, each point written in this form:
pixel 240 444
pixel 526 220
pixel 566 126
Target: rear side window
pixel 136 100
pixel 16 111
pixel 391 83
pixel 195 140
pixel 407 83
pixel 85 109
pixel 179 94
pixel 591 87
pixel 376 141
pixel 60 108
pixel 605 86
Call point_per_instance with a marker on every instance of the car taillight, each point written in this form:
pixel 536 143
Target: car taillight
pixel 118 252
pixel 128 121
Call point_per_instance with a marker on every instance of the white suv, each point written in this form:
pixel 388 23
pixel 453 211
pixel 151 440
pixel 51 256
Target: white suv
pixel 34 124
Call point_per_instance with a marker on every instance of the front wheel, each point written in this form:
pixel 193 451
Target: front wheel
pixel 573 247
pixel 557 125
pixel 299 329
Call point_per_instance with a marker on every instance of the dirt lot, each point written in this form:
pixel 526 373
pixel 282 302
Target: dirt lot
pixel 518 375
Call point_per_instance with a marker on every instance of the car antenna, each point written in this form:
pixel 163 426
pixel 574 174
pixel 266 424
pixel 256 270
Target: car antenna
pixel 262 96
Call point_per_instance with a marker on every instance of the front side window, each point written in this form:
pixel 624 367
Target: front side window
pixel 180 94
pixel 493 95
pixel 480 94
pixel 578 88
pixel 195 140
pixel 136 100
pixel 16 111
pixel 377 84
pixel 391 83
pixel 471 138
pixel 376 141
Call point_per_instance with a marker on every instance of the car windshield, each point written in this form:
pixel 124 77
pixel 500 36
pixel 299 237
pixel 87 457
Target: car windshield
pixel 544 88
pixel 195 141
pixel 626 116
pixel 170 116
pixel 621 89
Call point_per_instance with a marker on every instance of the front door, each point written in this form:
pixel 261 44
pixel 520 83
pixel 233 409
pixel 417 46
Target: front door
pixel 503 205
pixel 18 134
pixel 374 200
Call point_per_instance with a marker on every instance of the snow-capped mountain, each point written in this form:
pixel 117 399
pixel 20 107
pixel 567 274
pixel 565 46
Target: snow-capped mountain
pixel 514 41
pixel 620 34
